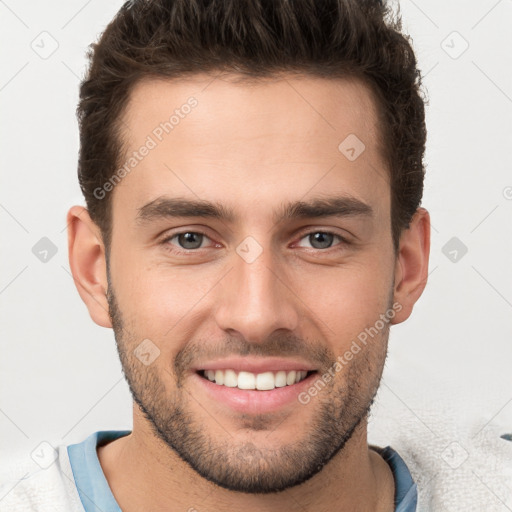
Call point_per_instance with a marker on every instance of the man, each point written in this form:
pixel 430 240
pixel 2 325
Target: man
pixel 253 176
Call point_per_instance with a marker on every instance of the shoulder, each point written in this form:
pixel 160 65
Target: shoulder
pixel 460 470
pixel 32 484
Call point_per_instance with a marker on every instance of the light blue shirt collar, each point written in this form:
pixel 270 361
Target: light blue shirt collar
pixel 96 495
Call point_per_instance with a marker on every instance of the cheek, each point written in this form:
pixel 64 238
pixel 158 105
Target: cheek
pixel 161 300
pixel 342 302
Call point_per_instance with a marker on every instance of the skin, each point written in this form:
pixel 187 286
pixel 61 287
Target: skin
pixel 250 147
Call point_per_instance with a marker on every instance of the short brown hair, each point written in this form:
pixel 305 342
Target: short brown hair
pixel 254 38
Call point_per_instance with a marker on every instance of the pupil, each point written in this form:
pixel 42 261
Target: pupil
pixel 190 240
pixel 321 240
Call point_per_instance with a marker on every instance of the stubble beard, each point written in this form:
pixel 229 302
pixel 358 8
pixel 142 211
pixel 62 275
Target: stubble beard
pixel 244 466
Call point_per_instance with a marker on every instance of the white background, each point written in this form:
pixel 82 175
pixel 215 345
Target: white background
pixel 60 376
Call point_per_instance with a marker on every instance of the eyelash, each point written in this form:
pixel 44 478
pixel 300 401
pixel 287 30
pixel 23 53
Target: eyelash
pixel 181 250
pixel 166 241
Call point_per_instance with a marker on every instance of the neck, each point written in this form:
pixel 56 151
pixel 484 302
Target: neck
pixel 145 474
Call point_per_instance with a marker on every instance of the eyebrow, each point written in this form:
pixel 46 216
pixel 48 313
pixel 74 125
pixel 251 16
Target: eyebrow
pixel 337 206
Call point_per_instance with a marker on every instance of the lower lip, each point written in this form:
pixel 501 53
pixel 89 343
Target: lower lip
pixel 252 401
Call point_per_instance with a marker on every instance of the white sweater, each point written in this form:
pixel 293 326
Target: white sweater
pixel 470 475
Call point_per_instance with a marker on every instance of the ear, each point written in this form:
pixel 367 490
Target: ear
pixel 411 270
pixel 88 264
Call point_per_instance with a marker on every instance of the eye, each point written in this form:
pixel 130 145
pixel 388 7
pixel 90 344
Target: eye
pixel 321 239
pixel 188 240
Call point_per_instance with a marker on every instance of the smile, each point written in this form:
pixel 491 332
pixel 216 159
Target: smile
pixel 260 381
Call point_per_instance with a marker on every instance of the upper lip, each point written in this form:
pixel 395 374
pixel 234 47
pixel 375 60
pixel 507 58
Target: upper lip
pixel 256 365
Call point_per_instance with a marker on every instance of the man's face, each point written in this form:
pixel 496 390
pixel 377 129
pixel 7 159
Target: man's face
pixel 256 291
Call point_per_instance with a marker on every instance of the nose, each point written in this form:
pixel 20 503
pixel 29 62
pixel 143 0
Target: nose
pixel 255 298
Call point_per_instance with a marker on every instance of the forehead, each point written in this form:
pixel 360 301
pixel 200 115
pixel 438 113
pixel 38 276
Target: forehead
pixel 222 137
pixel 331 107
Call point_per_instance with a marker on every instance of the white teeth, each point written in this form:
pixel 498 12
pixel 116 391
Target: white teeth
pixel 280 379
pixel 290 378
pixel 219 376
pixel 230 379
pixel 262 381
pixel 265 381
pixel 246 380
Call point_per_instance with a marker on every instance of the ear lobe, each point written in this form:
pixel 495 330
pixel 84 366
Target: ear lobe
pixel 88 264
pixel 411 270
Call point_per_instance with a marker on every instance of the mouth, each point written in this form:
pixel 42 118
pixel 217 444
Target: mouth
pixel 254 393
pixel 263 381
pixel 254 385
